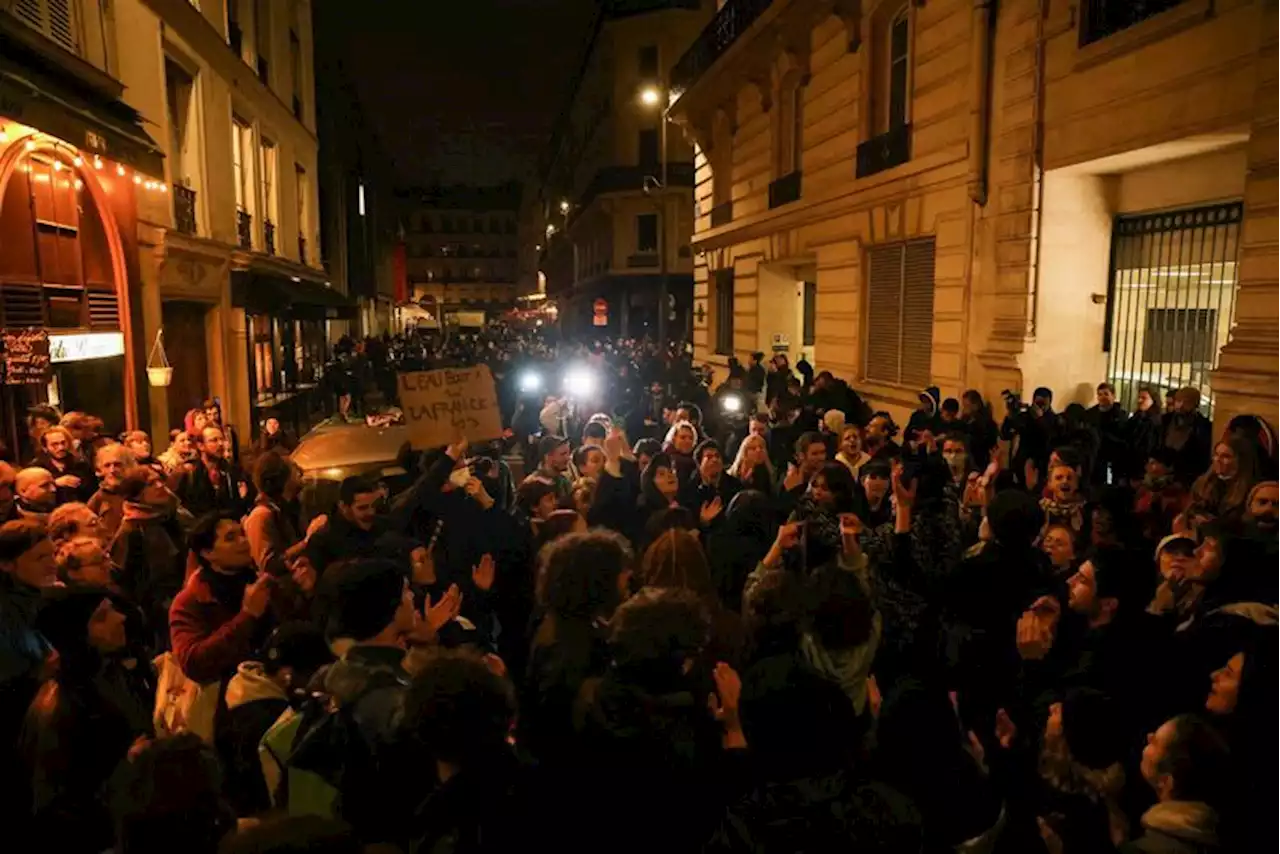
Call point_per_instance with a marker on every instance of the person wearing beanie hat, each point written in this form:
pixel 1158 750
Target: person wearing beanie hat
pixel 361 750
pixel 82 720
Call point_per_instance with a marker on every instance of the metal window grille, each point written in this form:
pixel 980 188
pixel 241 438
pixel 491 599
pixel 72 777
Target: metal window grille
pixel 898 312
pixel 1171 298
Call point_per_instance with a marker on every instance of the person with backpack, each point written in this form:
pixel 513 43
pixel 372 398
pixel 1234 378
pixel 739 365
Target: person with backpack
pixel 349 735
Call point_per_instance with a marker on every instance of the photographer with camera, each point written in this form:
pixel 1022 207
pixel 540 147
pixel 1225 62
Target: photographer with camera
pixel 1033 429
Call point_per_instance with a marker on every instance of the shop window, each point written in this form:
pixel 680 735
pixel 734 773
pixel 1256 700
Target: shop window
pixel 723 318
pixel 264 367
pixel 898 330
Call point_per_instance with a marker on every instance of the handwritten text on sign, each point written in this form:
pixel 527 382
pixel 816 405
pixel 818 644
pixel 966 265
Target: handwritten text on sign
pixel 441 405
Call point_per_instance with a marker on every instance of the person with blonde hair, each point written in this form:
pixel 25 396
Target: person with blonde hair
pixel 676 561
pixel 752 466
pixel 181 450
pixel 850 452
pixel 111 463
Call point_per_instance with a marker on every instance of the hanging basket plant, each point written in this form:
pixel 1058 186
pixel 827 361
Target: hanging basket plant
pixel 159 371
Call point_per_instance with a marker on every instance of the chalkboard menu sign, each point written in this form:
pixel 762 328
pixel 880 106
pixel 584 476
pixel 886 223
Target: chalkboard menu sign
pixel 26 356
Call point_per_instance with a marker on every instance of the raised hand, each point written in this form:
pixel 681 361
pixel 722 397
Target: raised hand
pixel 710 510
pixel 257 596
pixel 723 702
pixel 483 573
pixel 457 449
pixel 794 477
pixel 449 606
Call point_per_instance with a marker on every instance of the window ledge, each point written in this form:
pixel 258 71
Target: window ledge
pixel 1156 28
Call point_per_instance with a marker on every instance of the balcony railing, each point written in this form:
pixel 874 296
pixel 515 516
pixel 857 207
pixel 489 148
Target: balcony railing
pixel 885 151
pixel 269 236
pixel 302 249
pixel 244 229
pixel 1102 18
pixel 184 209
pixel 722 214
pixel 620 179
pixel 733 19
pixel 784 190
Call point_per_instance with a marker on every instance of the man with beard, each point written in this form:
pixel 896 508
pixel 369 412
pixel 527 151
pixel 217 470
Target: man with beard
pixel 111 462
pixel 73 476
pixel 212 482
pixel 1261 516
pixel 1188 434
pixel 1110 420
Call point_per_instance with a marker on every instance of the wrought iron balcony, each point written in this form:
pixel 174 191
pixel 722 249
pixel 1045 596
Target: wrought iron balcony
pixel 302 249
pixel 733 19
pixel 1102 18
pixel 785 190
pixel 889 149
pixel 244 229
pixel 722 214
pixel 642 259
pixel 269 236
pixel 184 209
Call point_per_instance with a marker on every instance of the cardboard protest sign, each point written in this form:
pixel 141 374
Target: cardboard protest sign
pixel 439 406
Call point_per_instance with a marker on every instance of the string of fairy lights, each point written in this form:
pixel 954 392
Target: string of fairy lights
pixel 33 141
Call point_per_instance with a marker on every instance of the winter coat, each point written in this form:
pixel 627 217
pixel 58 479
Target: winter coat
pixel 200 494
pixel 110 509
pixel 1177 827
pixel 361 749
pixel 209 632
pixel 150 566
pixel 75 466
pixel 254 702
pixel 493 808
pixel 339 540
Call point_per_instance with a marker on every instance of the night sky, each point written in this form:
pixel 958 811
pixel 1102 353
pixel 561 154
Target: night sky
pixel 462 91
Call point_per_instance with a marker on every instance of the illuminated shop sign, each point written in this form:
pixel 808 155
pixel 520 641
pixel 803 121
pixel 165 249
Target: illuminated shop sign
pixel 85 345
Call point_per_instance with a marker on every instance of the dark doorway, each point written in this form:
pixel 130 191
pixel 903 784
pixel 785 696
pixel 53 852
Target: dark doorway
pixel 184 341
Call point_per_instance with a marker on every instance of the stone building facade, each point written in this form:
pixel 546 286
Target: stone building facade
pixel 990 195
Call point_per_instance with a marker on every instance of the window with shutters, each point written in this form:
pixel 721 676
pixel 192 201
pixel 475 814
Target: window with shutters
pixel 898 312
pixel 55 19
pixel 723 318
pixel 810 313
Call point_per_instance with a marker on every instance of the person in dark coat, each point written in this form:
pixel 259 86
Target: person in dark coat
pixel 213 482
pixel 1185 762
pixel 83 720
pixel 72 474
pixel 111 463
pixel 709 488
pixel 1188 434
pixel 1110 421
pixel 352 532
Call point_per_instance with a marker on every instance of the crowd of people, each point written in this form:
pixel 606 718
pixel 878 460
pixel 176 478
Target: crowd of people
pixel 764 618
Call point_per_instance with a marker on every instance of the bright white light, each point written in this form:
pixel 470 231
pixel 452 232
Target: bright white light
pixel 361 198
pixel 732 403
pixel 530 381
pixel 650 96
pixel 564 206
pixel 551 229
pixel 579 382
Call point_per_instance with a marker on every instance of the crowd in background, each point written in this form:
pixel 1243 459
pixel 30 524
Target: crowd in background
pixel 760 618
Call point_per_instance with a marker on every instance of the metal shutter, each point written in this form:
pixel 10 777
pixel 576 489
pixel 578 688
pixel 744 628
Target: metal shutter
pixel 883 314
pixel 899 314
pixel 917 314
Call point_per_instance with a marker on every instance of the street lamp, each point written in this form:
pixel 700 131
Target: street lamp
pixel 564 206
pixel 651 96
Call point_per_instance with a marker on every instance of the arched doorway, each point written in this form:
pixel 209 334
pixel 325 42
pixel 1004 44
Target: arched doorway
pixel 63 270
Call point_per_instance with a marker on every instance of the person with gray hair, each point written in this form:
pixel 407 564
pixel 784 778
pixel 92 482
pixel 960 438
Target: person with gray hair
pixel 112 462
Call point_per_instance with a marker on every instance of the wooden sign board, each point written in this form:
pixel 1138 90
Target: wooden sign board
pixel 439 406
pixel 26 356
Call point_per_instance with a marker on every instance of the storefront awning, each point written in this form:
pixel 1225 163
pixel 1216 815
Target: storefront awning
pixel 81 116
pixel 268 292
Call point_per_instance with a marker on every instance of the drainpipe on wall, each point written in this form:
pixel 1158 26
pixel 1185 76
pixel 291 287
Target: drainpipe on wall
pixel 981 63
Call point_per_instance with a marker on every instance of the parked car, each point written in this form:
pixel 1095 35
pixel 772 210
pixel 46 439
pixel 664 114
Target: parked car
pixel 337 449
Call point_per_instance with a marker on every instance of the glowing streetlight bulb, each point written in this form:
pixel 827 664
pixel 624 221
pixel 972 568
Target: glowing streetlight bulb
pixel 57 166
pixel 31 145
pixel 650 96
pixel 79 161
pixel 120 171
pixel 137 179
pixel 97 162
pixel 564 206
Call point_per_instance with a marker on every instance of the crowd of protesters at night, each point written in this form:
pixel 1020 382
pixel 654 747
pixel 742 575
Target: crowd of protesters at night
pixel 658 614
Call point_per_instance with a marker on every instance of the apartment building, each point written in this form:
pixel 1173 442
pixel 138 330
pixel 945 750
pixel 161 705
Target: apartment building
pixel 990 195
pixel 461 253
pixel 613 206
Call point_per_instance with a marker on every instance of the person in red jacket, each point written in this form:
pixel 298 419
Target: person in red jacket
pixel 221 615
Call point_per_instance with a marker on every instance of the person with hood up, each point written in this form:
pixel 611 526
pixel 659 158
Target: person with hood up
pixel 259 693
pixel 926 415
pixel 1188 434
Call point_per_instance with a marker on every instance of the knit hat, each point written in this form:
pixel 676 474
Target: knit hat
pixel 63 619
pixel 834 421
pixel 361 597
pixel 1089 724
